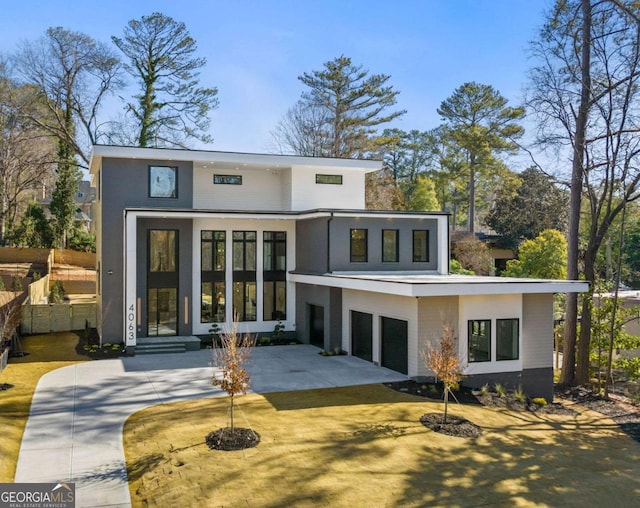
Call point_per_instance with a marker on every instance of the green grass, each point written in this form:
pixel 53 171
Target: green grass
pixel 45 353
pixel 364 446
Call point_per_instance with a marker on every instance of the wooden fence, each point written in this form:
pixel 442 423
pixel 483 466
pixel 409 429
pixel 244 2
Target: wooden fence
pixel 75 258
pixel 57 317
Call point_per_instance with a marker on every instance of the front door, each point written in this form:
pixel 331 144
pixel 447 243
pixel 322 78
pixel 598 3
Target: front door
pixel 162 317
pixel 162 283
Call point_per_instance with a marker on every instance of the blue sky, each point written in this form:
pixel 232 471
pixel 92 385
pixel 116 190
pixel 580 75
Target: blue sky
pixel 255 50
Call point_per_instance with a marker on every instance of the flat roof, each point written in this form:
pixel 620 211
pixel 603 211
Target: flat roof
pixel 419 284
pixel 208 156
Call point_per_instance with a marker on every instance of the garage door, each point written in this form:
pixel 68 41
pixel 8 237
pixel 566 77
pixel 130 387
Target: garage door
pixel 394 344
pixel 362 335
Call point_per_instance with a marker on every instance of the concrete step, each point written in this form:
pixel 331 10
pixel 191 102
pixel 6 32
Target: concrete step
pixel 158 349
pixel 190 343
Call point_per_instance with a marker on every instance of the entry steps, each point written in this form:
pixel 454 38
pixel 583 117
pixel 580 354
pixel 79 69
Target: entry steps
pixel 166 345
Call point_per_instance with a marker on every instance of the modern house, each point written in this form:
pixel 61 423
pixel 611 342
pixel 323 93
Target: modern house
pixel 188 238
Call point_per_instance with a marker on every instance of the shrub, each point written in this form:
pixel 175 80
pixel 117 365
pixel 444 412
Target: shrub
pixel 484 389
pixel 500 390
pixel 539 401
pixel 56 295
pixel 519 394
pixel 16 283
pixel 264 341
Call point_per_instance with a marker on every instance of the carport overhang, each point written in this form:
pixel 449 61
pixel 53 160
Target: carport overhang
pixel 421 284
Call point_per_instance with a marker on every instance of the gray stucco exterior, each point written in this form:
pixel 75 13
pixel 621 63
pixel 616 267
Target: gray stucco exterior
pixel 332 234
pixel 125 184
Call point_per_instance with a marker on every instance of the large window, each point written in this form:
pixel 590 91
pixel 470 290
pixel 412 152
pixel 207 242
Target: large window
pixel 162 250
pixel 507 334
pixel 420 245
pixel 479 340
pixel 212 270
pixel 163 182
pixel 390 250
pixel 358 245
pixel 244 275
pixel 274 275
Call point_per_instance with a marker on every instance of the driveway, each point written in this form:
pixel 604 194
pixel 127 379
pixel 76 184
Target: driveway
pixel 74 432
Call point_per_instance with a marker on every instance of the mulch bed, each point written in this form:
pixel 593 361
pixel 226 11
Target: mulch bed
pixel 88 345
pixel 226 440
pixel 455 426
pixel 618 408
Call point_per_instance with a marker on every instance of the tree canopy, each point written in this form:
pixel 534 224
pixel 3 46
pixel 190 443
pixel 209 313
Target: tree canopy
pixel 170 108
pixel 544 257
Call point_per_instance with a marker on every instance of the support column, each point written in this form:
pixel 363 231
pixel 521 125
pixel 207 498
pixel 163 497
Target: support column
pixel 130 308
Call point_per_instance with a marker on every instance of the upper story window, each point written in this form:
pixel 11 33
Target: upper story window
pixel 275 251
pixel 212 251
pixel 244 251
pixel 162 250
pixel 420 246
pixel 390 252
pixel 330 179
pixel 227 179
pixel 358 245
pixel 163 182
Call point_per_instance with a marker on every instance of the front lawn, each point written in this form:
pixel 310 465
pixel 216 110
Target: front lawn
pixel 365 446
pixel 44 354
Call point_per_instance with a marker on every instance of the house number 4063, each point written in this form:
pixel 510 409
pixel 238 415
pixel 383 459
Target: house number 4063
pixel 131 327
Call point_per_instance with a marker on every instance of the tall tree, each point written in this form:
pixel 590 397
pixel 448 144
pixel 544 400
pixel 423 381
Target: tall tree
pixel 477 119
pixel 584 91
pixel 75 73
pixel 26 151
pixel 171 107
pixel 536 205
pixel 349 105
pixel 301 131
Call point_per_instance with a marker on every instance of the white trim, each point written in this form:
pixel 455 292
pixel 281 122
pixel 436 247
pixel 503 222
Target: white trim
pixel 403 284
pixel 276 161
pixel 130 305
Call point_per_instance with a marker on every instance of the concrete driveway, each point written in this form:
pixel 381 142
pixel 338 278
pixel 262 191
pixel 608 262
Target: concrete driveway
pixel 74 432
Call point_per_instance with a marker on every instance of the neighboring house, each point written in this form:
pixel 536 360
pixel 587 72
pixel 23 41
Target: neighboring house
pixel 189 238
pixel 84 198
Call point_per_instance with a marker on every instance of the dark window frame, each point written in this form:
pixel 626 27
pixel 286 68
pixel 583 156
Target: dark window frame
pixel 213 276
pixel 227 179
pixel 425 257
pixel 470 325
pixel 324 179
pixel 397 246
pixel 517 328
pixel 365 257
pixel 243 275
pixel 150 179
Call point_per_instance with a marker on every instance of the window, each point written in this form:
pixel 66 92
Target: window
pixel 479 341
pixel 244 275
pixel 390 245
pixel 162 250
pixel 163 182
pixel 420 246
pixel 507 334
pixel 330 179
pixel 358 245
pixel 274 275
pixel 212 276
pixel 227 179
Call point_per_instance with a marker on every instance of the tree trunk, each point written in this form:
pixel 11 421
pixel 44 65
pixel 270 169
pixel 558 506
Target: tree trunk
pixel 472 194
pixel 584 344
pixel 571 312
pixel 446 403
pixel 232 412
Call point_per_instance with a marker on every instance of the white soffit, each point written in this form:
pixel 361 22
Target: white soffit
pixel 421 284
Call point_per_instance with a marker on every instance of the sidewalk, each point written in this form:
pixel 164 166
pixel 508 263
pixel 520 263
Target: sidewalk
pixel 74 432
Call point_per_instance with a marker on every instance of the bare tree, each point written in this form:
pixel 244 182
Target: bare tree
pixel 26 152
pixel 302 131
pixel 584 92
pixel 231 357
pixel 444 361
pixel 74 73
